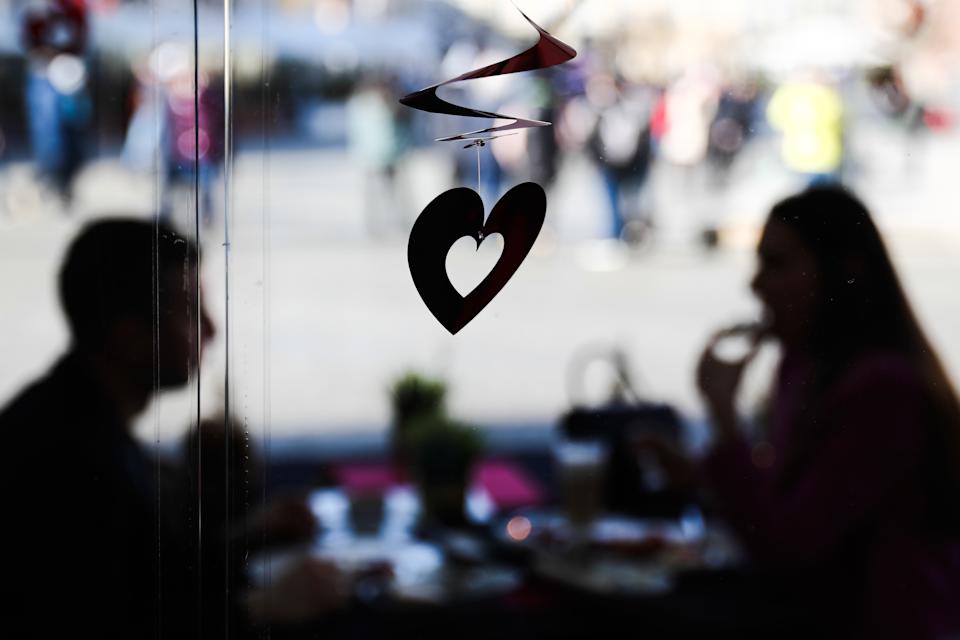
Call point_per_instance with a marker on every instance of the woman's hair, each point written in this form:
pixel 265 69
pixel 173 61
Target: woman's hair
pixel 862 306
pixel 860 303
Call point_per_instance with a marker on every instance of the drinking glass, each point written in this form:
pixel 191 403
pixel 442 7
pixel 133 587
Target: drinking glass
pixel 581 465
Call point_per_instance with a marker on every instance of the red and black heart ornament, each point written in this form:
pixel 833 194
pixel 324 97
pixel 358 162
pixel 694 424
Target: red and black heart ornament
pixel 457 213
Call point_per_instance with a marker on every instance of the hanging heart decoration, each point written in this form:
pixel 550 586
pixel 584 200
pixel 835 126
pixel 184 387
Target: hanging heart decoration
pixel 458 212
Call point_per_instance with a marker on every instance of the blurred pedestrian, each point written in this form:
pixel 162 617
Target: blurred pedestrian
pixel 683 122
pixel 621 146
pixel 194 142
pixel 377 139
pixel 54 35
pixel 689 106
pixel 809 114
pixel 543 150
pixel 889 93
pixel 731 128
pixel 144 148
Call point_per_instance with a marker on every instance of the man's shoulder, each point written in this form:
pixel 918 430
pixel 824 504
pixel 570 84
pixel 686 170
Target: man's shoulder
pixel 38 410
pixel 35 400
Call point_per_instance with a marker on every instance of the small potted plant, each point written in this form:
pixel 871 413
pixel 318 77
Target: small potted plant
pixel 412 396
pixel 443 453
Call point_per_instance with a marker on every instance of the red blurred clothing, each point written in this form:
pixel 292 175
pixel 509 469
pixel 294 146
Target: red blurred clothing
pixel 658 119
pixel 851 521
pixel 188 128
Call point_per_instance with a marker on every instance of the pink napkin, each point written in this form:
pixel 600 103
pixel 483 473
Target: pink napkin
pixel 508 485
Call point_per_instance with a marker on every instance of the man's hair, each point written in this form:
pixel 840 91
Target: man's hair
pixel 116 267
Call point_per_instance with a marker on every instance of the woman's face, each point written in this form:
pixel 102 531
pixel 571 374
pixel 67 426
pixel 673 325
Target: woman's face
pixel 786 282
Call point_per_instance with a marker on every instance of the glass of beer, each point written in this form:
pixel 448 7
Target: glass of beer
pixel 580 466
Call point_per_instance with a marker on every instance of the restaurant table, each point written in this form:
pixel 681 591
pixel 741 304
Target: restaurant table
pixel 517 572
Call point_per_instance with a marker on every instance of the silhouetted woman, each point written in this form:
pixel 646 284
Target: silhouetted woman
pixel 853 495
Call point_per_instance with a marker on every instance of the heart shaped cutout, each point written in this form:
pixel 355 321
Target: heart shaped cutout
pixel 467 264
pixel 457 213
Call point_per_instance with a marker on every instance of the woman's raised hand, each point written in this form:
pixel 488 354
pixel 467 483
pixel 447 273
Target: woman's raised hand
pixel 719 378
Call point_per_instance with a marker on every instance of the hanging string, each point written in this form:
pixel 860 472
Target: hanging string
pixel 478 164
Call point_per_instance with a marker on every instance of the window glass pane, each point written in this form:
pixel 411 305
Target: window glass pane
pixel 263 148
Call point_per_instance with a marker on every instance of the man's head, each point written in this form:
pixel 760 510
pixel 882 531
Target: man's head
pixel 129 290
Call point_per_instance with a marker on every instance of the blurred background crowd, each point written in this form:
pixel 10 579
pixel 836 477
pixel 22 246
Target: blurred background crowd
pixel 688 86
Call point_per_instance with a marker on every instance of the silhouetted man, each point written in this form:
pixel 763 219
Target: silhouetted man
pixel 92 549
